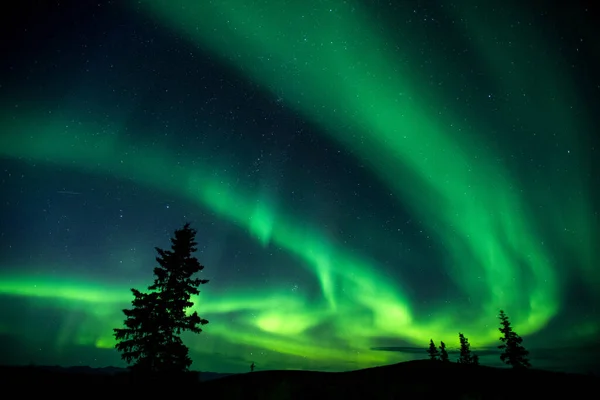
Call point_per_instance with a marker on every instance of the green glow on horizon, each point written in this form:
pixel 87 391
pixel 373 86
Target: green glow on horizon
pixel 44 287
pixel 342 76
pixel 364 289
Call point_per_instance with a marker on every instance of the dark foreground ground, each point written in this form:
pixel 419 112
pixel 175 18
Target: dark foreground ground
pixel 410 380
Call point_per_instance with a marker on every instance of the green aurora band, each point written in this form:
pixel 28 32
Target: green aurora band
pixel 343 80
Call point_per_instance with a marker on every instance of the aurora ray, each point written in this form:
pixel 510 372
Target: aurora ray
pixel 342 68
pixel 478 219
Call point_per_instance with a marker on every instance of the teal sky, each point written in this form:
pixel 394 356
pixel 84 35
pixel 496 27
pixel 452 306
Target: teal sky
pixel 361 177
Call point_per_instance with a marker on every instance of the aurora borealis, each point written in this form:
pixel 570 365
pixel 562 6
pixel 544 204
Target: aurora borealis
pixel 361 175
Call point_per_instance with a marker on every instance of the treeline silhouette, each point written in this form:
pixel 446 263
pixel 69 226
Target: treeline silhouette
pixel 158 360
pixel 150 342
pixel 513 352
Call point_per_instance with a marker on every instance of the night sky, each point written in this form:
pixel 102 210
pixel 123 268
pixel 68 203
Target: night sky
pixel 363 175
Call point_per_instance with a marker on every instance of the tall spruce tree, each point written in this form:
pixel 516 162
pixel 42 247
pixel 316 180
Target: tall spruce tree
pixel 513 351
pixel 432 351
pixel 150 341
pixel 465 350
pixel 443 353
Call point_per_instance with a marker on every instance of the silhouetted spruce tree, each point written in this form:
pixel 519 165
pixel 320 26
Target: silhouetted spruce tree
pixel 433 351
pixel 151 339
pixel 443 353
pixel 475 359
pixel 465 350
pixel 514 354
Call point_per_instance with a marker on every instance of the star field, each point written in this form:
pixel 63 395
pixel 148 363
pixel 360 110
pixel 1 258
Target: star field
pixel 363 176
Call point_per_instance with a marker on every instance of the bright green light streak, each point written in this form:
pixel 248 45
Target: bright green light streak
pixel 50 287
pixel 47 140
pixel 338 72
pixel 340 76
pixel 351 285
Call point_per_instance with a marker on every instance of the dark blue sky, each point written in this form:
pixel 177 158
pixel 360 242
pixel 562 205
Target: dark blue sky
pixel 463 180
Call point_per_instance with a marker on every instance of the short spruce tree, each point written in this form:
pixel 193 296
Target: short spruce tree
pixel 443 353
pixel 432 351
pixel 513 351
pixel 465 350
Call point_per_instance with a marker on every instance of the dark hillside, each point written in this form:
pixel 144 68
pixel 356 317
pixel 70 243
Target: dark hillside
pixel 419 379
pixel 415 379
